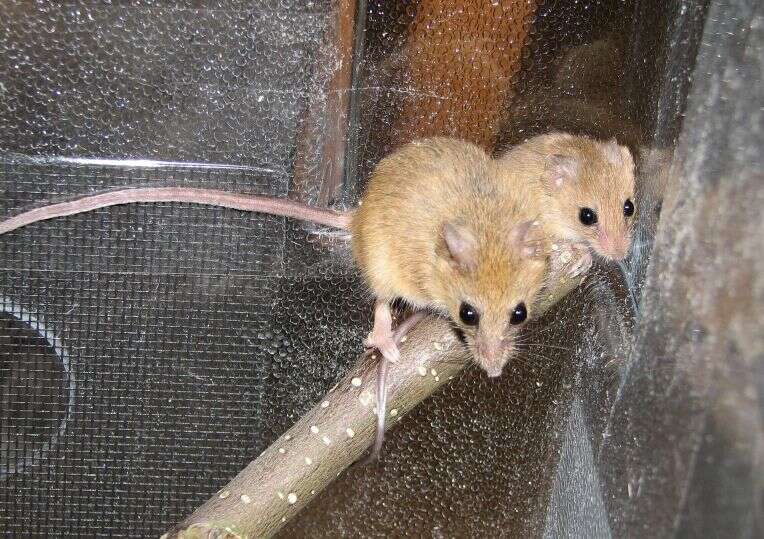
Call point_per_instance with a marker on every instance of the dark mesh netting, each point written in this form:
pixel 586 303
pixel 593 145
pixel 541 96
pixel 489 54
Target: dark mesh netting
pixel 148 352
pixel 140 358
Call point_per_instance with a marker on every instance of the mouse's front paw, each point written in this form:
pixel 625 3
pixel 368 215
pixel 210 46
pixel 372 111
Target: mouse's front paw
pixel 570 260
pixel 581 260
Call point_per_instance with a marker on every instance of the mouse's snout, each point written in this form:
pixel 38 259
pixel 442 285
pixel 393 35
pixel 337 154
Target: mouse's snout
pixel 492 354
pixel 614 246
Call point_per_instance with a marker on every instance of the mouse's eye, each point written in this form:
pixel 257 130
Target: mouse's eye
pixel 628 208
pixel 587 216
pixel 519 314
pixel 468 314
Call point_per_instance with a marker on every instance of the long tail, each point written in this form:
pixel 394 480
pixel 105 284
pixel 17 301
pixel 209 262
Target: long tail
pixel 400 332
pixel 210 197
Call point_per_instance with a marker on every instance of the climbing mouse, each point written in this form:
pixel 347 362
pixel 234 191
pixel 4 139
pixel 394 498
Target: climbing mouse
pixel 439 228
pixel 585 188
pixel 436 227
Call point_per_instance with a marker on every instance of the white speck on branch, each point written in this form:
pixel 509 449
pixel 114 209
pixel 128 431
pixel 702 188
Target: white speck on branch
pixel 328 439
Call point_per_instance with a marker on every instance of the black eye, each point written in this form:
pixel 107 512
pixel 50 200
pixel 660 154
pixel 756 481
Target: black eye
pixel 628 208
pixel 519 314
pixel 468 314
pixel 587 216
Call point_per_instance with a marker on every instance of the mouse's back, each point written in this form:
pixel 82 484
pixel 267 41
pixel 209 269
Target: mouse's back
pixel 409 195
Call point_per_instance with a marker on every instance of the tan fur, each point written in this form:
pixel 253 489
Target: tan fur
pixel 603 181
pixel 399 246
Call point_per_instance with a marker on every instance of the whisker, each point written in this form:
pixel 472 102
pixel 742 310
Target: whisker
pixel 552 324
pixel 550 346
pixel 520 360
pixel 537 355
pixel 629 281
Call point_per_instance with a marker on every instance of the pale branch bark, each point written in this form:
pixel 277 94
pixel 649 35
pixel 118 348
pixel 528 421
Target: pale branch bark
pixel 335 433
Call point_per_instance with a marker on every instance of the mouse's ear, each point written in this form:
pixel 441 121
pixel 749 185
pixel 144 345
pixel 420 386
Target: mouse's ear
pixel 561 169
pixel 612 151
pixel 628 159
pixel 529 239
pixel 459 245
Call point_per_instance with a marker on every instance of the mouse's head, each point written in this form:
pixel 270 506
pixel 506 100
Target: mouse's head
pixel 591 184
pixel 488 280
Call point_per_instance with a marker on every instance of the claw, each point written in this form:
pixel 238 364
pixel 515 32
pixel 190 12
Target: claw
pixel 386 345
pixel 582 263
pixel 381 336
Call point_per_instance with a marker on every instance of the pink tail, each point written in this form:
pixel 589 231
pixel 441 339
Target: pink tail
pixel 211 197
pixel 400 332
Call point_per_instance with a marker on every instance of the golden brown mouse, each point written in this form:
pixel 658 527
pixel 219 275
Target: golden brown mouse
pixel 437 226
pixel 585 189
pixel 440 228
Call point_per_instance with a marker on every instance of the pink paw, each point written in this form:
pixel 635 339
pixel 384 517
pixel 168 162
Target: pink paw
pixel 582 261
pixel 385 344
pixel 570 260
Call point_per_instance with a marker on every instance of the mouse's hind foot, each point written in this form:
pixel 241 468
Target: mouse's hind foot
pixel 382 337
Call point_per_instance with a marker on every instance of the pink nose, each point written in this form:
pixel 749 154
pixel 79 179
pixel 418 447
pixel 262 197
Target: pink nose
pixel 490 356
pixel 494 371
pixel 616 248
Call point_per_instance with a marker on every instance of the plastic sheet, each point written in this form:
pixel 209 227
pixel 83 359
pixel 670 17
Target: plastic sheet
pixel 178 328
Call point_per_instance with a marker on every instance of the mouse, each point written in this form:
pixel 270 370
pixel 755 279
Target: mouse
pixel 440 229
pixel 436 227
pixel 586 189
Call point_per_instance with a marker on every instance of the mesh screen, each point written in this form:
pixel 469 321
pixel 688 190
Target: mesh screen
pixel 148 352
pixel 138 347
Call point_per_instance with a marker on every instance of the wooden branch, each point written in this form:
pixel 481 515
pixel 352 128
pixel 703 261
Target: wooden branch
pixel 335 433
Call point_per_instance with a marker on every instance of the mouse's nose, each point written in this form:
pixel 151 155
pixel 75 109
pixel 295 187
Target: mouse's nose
pixel 490 356
pixel 614 246
pixel 621 248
